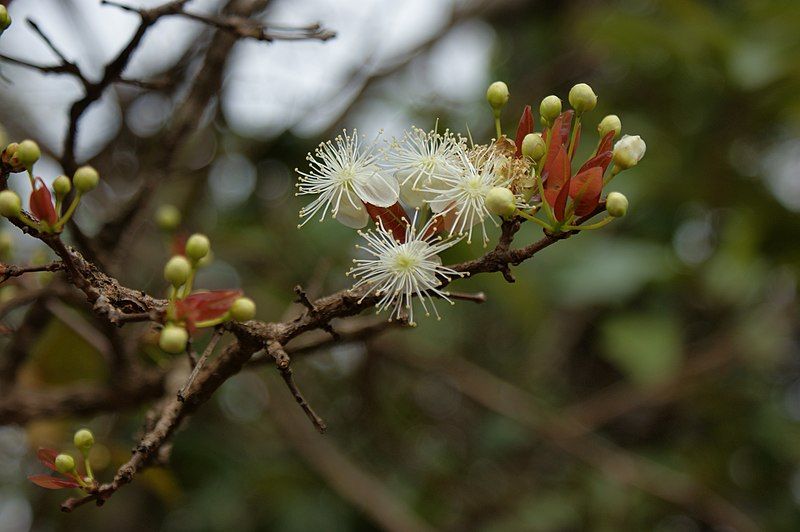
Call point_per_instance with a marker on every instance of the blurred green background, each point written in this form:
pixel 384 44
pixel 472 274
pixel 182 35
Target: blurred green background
pixel 671 335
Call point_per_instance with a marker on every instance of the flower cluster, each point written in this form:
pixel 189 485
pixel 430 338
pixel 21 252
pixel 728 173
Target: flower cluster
pixel 45 216
pixel 71 474
pixel 458 186
pixel 187 310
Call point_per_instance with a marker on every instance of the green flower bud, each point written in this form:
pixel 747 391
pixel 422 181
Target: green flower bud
pixel 533 146
pixel 497 95
pixel 616 204
pixel 197 247
pixel 550 108
pixel 85 179
pixel 65 463
pixel 608 124
pixel 173 339
pixel 628 151
pixel 168 217
pixel 177 270
pixel 582 98
pixel 28 153
pixel 10 204
pixel 5 19
pixel 500 201
pixel 243 309
pixel 83 440
pixel 61 186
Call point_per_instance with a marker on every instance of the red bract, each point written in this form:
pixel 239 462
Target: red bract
pixel 524 128
pixel 585 187
pixel 41 203
pixel 392 218
pixel 204 306
pixel 48 458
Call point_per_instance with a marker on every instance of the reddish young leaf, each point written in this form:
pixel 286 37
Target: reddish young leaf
pixel 41 203
pixel 602 161
pixel 559 134
pixel 524 128
pixel 577 141
pixel 553 175
pixel 556 176
pixel 53 483
pixel 47 457
pixel 392 218
pixel 585 189
pixel 203 306
pixel 606 143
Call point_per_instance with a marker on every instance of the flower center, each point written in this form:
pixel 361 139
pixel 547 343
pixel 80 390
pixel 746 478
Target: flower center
pixel 474 187
pixel 405 262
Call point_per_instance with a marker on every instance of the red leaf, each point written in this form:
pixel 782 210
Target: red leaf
pixel 47 457
pixel 585 189
pixel 577 141
pixel 556 182
pixel 53 483
pixel 41 203
pixel 207 305
pixel 606 143
pixel 602 161
pixel 559 135
pixel 392 218
pixel 524 128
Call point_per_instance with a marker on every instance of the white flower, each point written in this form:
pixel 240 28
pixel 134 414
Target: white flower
pixel 344 175
pixel 628 151
pixel 397 271
pixel 420 159
pixel 465 193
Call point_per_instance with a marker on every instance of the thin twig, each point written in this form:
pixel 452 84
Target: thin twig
pixel 8 271
pixel 201 362
pixel 282 362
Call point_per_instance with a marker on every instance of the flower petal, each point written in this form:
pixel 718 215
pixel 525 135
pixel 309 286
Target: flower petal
pixel 379 189
pixel 350 216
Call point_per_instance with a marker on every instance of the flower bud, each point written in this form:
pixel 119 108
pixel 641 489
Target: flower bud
pixel 497 95
pixel 5 19
pixel 197 247
pixel 582 98
pixel 616 204
pixel 65 463
pixel 500 201
pixel 173 339
pixel 11 149
pixel 61 186
pixel 10 204
pixel 177 270
pixel 243 309
pixel 85 179
pixel 533 146
pixel 83 440
pixel 608 124
pixel 28 153
pixel 168 217
pixel 628 151
pixel 550 108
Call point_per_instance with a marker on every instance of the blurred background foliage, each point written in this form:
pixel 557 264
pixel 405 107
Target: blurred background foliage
pixel 672 333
